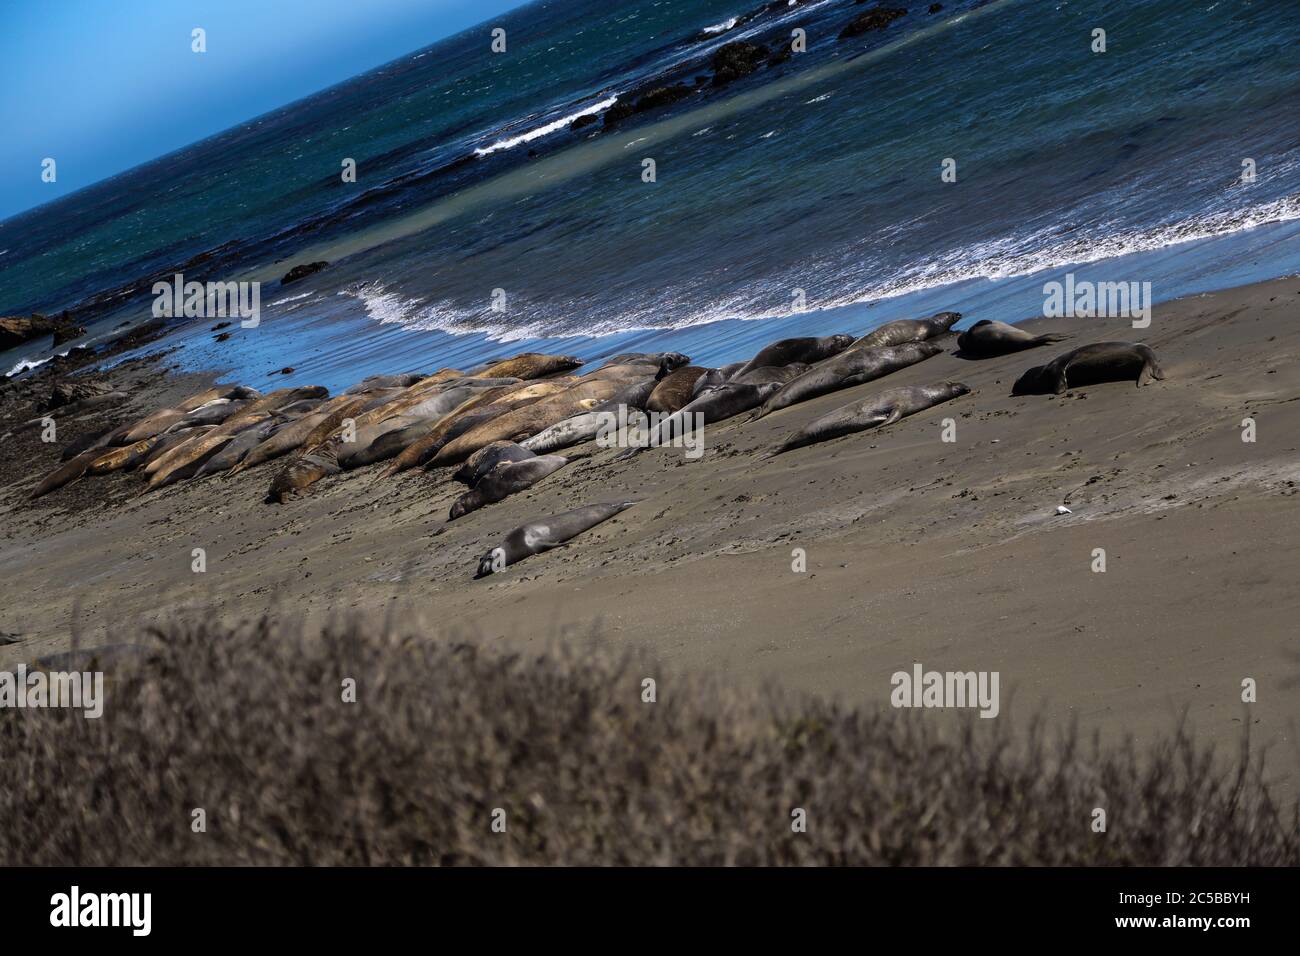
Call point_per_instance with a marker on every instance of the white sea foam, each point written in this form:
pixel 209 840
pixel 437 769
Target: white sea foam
pixel 381 304
pixel 513 141
pixel 720 27
pixel 291 298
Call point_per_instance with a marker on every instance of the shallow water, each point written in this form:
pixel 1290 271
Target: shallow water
pixel 820 174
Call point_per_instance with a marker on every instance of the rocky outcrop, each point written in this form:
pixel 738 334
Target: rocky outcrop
pixel 737 59
pixel 16 331
pixel 876 19
pixel 302 271
pixel 642 101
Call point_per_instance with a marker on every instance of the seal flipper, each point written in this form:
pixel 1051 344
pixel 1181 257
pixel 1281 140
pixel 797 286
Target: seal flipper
pixel 1151 372
pixel 892 414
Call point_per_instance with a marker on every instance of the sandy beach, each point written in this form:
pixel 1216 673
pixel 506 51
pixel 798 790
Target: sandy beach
pixel 952 555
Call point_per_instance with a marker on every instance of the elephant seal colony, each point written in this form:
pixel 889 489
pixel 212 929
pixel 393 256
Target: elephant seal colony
pixel 500 426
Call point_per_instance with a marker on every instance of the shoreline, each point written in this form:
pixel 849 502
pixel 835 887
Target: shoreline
pixel 947 555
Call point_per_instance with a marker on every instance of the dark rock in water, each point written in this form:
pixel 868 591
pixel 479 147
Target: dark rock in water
pixel 66 333
pixel 876 19
pixel 935 8
pixel 736 59
pixel 783 53
pixel 219 326
pixel 16 331
pixel 641 101
pixel 222 337
pixel 302 271
pixel 287 370
pixel 582 121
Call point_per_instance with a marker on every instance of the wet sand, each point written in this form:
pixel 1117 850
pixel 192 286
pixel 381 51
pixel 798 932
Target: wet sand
pixel 948 554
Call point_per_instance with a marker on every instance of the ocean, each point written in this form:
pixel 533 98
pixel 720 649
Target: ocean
pixel 804 198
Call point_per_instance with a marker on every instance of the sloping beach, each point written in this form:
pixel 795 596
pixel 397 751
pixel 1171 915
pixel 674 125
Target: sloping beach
pixel 950 555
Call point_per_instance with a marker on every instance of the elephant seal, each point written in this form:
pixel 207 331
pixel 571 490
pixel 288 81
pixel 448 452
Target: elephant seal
pixel 909 330
pixel 667 362
pixel 884 408
pixel 1090 365
pixel 538 536
pixel 101 438
pixel 713 406
pixel 487 458
pixel 805 350
pixel 715 378
pixel 371 382
pixel 767 374
pixel 239 447
pixel 503 480
pixel 302 473
pixel 530 365
pixel 846 370
pixel 527 421
pixel 66 473
pixel 675 389
pixel 987 339
pixel 122 457
pixel 213 413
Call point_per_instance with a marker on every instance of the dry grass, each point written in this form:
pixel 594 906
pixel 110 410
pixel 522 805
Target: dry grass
pixel 249 725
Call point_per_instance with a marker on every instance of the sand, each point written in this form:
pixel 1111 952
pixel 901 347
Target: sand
pixel 948 554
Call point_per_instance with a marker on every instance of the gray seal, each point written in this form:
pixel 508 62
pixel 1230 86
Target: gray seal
pixel 846 370
pixel 909 330
pixel 488 457
pixel 884 408
pixel 805 350
pixel 1090 365
pixel 987 339
pixel 545 534
pixel 505 479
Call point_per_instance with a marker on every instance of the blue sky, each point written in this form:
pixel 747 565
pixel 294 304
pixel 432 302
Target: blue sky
pixel 104 85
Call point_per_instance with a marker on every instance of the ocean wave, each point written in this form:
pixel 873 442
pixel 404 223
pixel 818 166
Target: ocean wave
pixel 1018 256
pixel 547 129
pixel 720 27
pixel 701 301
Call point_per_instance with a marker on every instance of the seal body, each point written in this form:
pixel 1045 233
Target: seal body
pixel 715 378
pixel 545 534
pixel 531 365
pixel 805 350
pixel 909 330
pixel 986 339
pixel 674 390
pixel 302 473
pixel 1090 365
pixel 487 458
pixel 854 367
pixel 504 479
pixel 884 408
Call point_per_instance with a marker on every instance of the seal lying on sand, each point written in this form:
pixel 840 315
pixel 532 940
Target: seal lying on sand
pixel 715 378
pixel 908 330
pixel 1089 365
pixel 506 478
pixel 538 536
pixel 487 458
pixel 847 369
pixel 675 389
pixel 787 351
pixel 303 472
pixel 884 408
pixel 986 339
pixel 530 365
